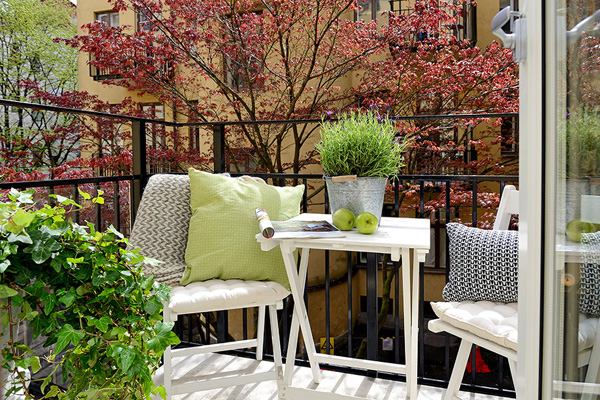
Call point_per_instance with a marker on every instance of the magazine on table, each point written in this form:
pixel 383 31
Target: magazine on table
pixel 295 229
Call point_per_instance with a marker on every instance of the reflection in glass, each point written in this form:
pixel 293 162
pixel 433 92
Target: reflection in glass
pixel 575 102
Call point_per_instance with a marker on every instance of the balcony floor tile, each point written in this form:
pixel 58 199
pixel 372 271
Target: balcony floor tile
pixel 360 387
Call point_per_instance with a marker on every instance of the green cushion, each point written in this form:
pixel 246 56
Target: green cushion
pixel 222 234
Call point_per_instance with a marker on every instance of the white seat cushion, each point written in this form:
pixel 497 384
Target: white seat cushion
pixel 216 294
pixel 498 322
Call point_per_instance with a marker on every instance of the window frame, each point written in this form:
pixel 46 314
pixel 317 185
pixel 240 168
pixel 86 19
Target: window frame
pixel 140 24
pixel 110 14
pixel 155 130
pixel 236 80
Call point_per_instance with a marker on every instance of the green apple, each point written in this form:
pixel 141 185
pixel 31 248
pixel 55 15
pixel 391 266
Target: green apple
pixel 576 227
pixel 366 223
pixel 343 219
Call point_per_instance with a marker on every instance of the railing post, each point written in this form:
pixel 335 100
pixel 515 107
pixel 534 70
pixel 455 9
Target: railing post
pixel 140 168
pixel 222 326
pixel 372 308
pixel 219 147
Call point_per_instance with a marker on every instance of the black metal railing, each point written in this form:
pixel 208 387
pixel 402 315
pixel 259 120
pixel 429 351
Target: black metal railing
pixel 101 73
pixel 361 327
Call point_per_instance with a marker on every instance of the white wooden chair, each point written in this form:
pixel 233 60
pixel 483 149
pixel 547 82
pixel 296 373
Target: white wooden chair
pixel 160 231
pixel 493 326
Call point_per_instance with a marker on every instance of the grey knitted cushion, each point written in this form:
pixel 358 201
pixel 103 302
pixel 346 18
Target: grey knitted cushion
pixel 483 264
pixel 589 300
pixel 161 225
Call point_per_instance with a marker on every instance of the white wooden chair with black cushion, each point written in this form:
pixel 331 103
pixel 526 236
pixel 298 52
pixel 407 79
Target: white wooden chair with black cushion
pixel 492 323
pixel 160 231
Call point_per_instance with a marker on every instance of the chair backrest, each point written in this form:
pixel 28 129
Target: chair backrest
pixel 161 226
pixel 509 206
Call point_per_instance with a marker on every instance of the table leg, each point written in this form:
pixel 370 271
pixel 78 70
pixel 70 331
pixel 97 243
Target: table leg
pixel 407 311
pixel 300 313
pixel 414 336
pixel 294 328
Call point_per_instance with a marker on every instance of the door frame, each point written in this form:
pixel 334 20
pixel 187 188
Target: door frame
pixel 531 204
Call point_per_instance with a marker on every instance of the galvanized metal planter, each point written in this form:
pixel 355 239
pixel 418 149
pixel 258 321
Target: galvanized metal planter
pixel 362 194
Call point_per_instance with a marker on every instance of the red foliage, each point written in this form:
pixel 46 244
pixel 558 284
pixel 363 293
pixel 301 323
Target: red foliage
pixel 282 59
pixel 80 146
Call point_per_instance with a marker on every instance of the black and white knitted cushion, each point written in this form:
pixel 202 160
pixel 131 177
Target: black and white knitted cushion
pixel 483 264
pixel 161 226
pixel 589 300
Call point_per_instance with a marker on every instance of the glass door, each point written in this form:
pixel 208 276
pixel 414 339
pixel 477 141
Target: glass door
pixel 571 223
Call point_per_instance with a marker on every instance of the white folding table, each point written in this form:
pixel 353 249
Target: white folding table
pixel 406 239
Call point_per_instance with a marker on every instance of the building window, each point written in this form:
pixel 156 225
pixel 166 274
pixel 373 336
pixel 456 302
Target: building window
pixel 156 137
pixel 144 21
pixel 244 71
pixel 241 75
pixel 463 28
pixel 402 7
pixel 509 131
pixel 372 10
pixel 109 18
pixel 155 132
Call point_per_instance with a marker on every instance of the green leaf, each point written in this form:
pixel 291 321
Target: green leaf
pixel 32 362
pixel 49 301
pixel 54 232
pixel 84 289
pixel 126 358
pixel 53 392
pixel 47 380
pixel 66 336
pixel 98 200
pixel 153 307
pixel 35 364
pixel 115 232
pixel 6 292
pixel 102 323
pixel 118 332
pixel 84 195
pixel 30 315
pixel 21 237
pixel 160 391
pixel 25 197
pixel 78 260
pixel 23 218
pixel 67 299
pixel 163 337
pixel 4 265
pixel 65 201
pixel 42 250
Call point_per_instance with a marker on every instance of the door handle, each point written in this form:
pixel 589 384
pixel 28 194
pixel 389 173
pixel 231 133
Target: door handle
pixel 516 41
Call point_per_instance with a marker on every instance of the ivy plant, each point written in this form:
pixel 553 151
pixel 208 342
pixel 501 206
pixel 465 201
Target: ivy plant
pixel 84 292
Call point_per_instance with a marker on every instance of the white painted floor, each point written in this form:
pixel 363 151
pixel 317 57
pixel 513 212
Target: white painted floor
pixel 190 368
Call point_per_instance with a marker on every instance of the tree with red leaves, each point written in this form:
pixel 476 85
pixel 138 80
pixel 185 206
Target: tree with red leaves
pixel 253 60
pixel 242 60
pixel 431 72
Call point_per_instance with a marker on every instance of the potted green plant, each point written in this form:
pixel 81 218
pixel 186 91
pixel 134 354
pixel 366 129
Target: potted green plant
pixel 86 294
pixel 582 133
pixel 359 152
